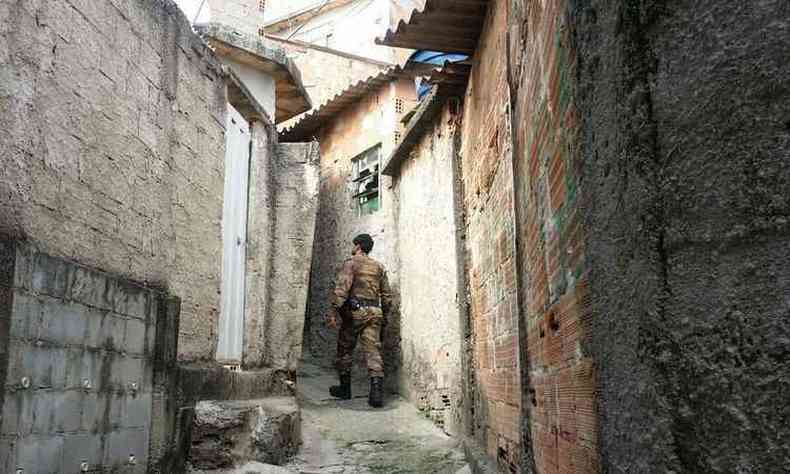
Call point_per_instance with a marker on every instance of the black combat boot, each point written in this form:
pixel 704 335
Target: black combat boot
pixel 342 391
pixel 376 397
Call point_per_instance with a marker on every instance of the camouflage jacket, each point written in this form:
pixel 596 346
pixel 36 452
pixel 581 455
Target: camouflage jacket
pixel 364 278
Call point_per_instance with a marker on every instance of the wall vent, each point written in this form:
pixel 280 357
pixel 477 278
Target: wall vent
pixel 399 105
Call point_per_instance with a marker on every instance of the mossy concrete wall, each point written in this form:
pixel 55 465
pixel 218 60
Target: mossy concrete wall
pixel 77 364
pixel 686 190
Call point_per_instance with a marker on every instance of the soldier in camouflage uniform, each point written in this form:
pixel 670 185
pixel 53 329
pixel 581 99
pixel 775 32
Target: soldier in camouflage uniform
pixel 362 300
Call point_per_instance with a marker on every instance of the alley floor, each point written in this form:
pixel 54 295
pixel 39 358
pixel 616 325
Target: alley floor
pixel 350 437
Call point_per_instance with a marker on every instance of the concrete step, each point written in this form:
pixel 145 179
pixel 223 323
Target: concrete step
pixel 250 468
pixel 227 435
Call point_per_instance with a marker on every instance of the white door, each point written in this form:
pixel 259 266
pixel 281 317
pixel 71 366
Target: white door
pixel 234 238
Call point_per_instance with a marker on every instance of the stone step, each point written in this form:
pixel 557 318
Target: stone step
pixel 250 468
pixel 227 435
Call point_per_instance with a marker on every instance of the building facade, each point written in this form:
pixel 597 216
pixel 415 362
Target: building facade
pixel 599 272
pixel 123 138
pixel 349 26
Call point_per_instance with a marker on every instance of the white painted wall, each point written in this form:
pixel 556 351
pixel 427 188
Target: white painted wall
pixel 260 85
pixel 191 7
pixel 277 8
pixel 352 28
pixel 243 15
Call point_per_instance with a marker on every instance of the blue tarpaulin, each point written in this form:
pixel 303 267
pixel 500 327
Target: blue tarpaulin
pixel 433 57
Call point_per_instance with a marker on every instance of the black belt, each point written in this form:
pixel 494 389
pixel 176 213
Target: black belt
pixel 364 303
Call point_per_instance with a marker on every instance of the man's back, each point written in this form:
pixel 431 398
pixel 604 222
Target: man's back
pixel 368 275
pixel 359 285
pixel 363 278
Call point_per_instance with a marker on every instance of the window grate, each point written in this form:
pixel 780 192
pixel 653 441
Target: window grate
pixel 365 181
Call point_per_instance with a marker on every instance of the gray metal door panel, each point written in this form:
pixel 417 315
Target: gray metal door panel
pixel 234 237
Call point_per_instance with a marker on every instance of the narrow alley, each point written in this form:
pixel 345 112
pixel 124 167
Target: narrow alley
pixel 349 436
pixel 394 236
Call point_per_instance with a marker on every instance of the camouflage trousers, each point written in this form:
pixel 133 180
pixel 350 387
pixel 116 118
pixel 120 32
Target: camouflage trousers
pixel 363 325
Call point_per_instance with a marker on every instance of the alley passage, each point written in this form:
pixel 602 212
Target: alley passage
pixel 337 436
pixel 350 437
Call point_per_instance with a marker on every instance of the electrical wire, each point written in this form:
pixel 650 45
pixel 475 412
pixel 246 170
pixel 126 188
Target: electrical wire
pixel 326 2
pixel 200 9
pixel 356 9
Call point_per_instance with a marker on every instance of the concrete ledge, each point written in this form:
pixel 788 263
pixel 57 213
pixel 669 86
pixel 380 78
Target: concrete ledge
pixel 292 97
pixel 219 383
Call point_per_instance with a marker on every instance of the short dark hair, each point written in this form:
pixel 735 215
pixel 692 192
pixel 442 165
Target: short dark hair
pixel 365 241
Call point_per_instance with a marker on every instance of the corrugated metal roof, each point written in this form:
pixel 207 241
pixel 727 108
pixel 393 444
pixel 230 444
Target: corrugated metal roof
pixel 309 124
pixel 451 26
pixel 452 77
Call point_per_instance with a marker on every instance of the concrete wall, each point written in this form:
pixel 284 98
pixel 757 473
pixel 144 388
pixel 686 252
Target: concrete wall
pixel 281 226
pixel 428 259
pixel 261 86
pixel 260 243
pixel 77 365
pixel 296 168
pixel 369 122
pixel 649 338
pixel 325 73
pixel 351 28
pixel 490 246
pixel 244 15
pixel 686 190
pixel 279 9
pixel 111 133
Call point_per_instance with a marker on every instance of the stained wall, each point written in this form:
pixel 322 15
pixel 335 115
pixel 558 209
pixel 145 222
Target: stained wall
pixel 76 365
pixel 429 261
pixel 487 182
pixel 111 136
pixel 558 371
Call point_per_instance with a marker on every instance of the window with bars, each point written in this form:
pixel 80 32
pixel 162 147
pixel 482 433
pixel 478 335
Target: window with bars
pixel 365 175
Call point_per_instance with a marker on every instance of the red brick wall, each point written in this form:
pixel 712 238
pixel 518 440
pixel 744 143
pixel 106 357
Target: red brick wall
pixel 488 201
pixel 528 354
pixel 559 375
